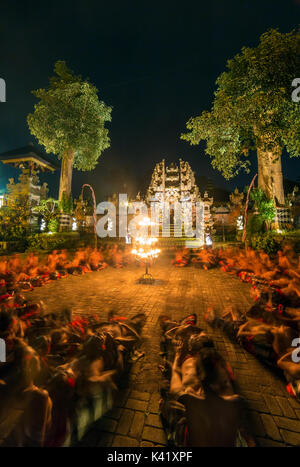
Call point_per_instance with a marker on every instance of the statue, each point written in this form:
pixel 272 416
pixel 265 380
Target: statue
pixel 236 198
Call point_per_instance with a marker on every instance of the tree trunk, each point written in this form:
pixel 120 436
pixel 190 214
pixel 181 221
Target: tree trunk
pixel 264 173
pixel 65 183
pixel 270 178
pixel 278 182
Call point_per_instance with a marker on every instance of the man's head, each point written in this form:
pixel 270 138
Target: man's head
pixel 95 346
pixel 6 324
pixel 198 341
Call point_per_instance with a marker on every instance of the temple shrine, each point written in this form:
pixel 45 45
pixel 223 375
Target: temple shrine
pixel 176 183
pixel 30 161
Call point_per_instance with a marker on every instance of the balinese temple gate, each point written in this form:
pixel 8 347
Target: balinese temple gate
pixel 175 184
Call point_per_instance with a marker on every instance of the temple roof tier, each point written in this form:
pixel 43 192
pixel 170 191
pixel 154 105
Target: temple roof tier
pixel 28 156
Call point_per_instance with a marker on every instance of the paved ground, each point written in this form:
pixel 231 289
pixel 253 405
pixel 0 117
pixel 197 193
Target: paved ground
pixel 271 414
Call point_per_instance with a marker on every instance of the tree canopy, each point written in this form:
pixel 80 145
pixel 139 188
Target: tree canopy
pixel 70 119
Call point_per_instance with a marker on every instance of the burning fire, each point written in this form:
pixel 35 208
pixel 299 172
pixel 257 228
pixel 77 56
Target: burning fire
pixel 146 252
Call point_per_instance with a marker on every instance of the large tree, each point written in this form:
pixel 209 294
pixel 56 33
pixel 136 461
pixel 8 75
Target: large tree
pixel 69 121
pixel 253 110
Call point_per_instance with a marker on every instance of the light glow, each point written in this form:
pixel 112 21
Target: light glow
pixel 239 223
pixel 146 222
pixel 43 225
pixel 146 241
pixel 146 254
pixel 208 240
pixel 74 225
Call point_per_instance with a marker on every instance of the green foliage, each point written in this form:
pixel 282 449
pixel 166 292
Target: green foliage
pixel 11 232
pixel 69 120
pixel 267 242
pixel 14 215
pixel 252 108
pixel 66 204
pixel 265 207
pixel 17 209
pixel 56 241
pixel 69 116
pixel 255 225
pixel 53 225
pixel 229 237
pixel 48 208
pixel 260 220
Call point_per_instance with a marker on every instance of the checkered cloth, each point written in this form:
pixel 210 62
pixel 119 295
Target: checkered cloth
pixel 283 217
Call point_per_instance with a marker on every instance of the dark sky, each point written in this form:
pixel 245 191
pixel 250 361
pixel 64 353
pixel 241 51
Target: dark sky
pixel 155 62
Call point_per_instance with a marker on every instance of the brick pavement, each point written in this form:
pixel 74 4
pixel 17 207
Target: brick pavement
pixel 271 415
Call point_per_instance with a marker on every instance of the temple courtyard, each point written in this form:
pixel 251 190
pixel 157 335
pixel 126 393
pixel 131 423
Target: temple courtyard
pixel 269 413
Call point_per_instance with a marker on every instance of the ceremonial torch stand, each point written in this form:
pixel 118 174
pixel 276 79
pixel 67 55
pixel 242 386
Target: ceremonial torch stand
pixel 144 251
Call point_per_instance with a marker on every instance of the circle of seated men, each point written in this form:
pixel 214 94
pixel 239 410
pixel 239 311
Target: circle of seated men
pixel 63 373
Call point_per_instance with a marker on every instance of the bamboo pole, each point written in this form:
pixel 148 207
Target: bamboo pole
pixel 246 207
pixel 94 210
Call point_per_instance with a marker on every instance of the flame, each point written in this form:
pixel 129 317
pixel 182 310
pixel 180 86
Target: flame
pixel 146 221
pixel 144 245
pixel 145 254
pixel 146 241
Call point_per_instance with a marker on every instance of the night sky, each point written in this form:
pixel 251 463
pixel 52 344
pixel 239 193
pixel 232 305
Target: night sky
pixel 155 63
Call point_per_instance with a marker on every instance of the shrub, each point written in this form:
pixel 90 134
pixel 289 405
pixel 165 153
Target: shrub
pixel 66 204
pixel 56 241
pixel 53 225
pixel 267 242
pixel 12 233
pixel 266 212
pixel 229 237
pixel 255 225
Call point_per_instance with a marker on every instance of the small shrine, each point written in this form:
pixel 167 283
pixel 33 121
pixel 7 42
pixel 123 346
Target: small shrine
pixel 31 161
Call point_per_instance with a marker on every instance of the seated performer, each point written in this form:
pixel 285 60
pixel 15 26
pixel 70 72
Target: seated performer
pixel 96 260
pixel 291 371
pixel 19 395
pixel 62 263
pixel 200 369
pixel 200 387
pixel 91 378
pixel 125 331
pixel 181 258
pixel 204 258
